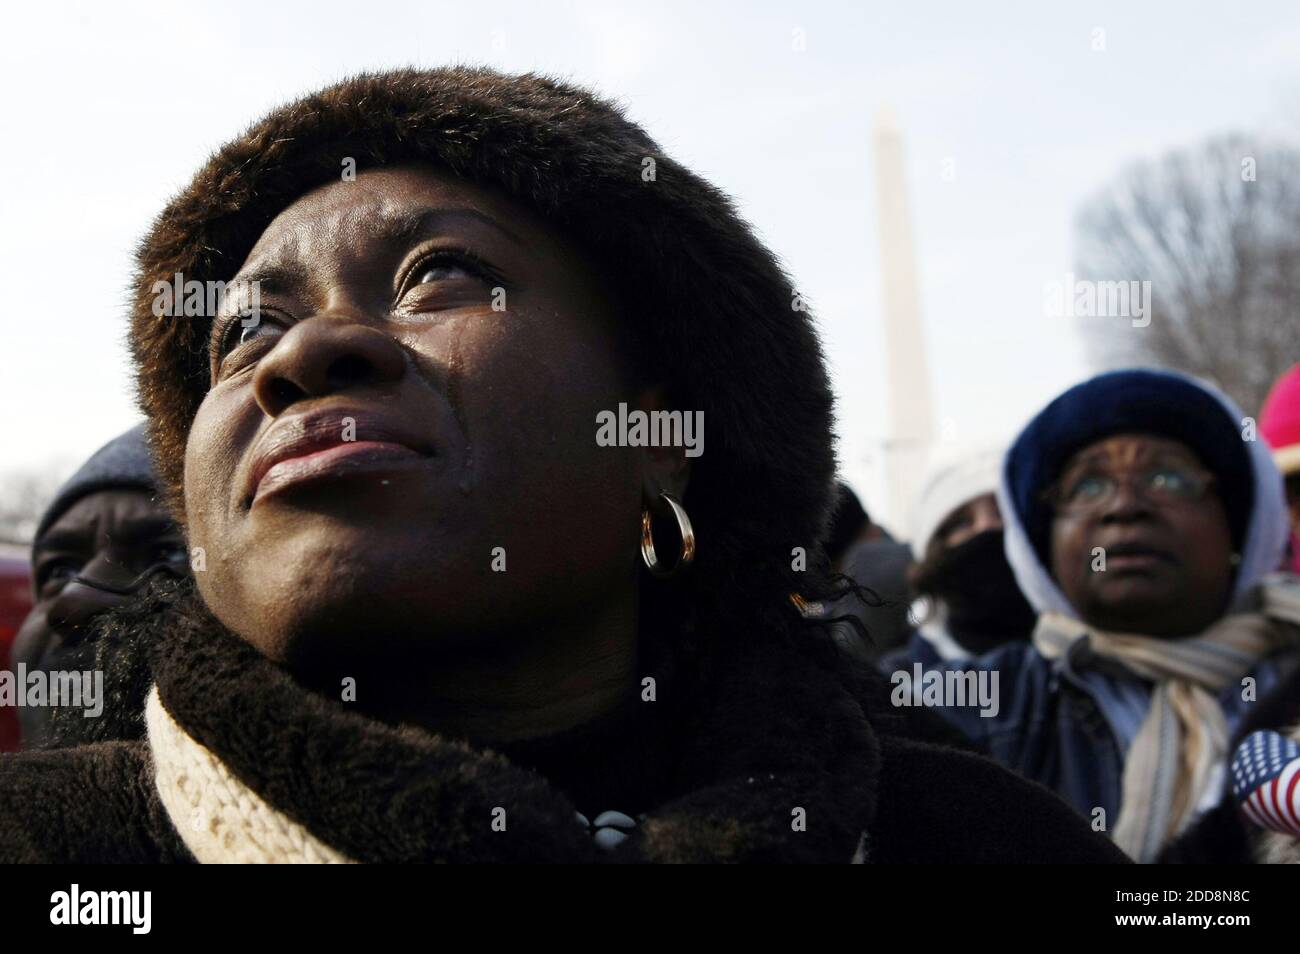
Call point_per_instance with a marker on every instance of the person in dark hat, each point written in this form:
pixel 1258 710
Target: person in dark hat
pixel 447 613
pixel 1142 525
pixel 96 544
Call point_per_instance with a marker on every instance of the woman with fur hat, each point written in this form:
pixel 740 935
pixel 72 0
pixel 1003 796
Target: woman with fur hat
pixel 438 620
pixel 1141 526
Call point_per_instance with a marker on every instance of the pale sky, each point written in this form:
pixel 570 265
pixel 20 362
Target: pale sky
pixel 109 108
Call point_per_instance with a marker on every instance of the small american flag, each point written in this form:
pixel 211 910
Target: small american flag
pixel 1266 781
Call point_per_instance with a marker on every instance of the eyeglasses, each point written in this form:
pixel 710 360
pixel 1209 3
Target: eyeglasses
pixel 1164 485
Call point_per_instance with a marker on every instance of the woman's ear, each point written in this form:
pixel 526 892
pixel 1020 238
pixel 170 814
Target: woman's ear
pixel 666 466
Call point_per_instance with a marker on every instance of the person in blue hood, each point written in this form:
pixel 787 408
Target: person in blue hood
pixel 1142 522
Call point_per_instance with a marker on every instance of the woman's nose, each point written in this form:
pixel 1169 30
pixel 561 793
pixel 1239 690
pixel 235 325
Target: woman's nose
pixel 1125 502
pixel 323 355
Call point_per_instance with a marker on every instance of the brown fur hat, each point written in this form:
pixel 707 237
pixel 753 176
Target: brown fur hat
pixel 713 314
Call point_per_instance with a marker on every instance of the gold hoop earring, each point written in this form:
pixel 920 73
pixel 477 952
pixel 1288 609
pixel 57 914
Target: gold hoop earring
pixel 648 544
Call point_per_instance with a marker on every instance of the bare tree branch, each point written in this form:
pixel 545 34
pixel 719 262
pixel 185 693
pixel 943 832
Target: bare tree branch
pixel 1222 252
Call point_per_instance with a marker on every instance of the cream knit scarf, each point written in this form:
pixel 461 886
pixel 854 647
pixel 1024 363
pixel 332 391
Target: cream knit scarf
pixel 1184 736
pixel 220 819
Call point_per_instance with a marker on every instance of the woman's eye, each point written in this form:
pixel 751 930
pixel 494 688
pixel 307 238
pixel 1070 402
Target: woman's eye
pixel 1088 487
pixel 454 268
pixel 1169 480
pixel 441 272
pixel 244 329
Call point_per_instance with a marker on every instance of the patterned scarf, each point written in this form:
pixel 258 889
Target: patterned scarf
pixel 1184 736
pixel 220 819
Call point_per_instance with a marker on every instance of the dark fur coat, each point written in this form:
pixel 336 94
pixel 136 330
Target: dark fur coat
pixel 715 778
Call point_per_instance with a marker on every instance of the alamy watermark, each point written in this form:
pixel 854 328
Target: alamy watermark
pixel 947 688
pixel 1073 298
pixel 639 428
pixel 180 298
pixel 71 689
pixel 130 908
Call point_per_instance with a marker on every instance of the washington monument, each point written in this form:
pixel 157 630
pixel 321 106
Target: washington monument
pixel 910 432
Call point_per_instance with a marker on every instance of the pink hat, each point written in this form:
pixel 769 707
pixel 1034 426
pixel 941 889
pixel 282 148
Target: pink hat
pixel 1279 421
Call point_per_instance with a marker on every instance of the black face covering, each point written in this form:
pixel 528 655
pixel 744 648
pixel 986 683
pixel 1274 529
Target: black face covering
pixel 67 642
pixel 975 585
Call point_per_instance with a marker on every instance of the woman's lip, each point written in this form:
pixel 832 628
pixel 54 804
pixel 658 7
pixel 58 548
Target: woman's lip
pixel 1135 558
pixel 340 460
pixel 328 428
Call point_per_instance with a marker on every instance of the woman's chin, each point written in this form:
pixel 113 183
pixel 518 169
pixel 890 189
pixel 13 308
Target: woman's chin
pixel 311 613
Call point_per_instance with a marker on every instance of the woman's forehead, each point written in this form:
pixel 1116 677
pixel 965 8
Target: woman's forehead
pixel 387 205
pixel 1125 448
